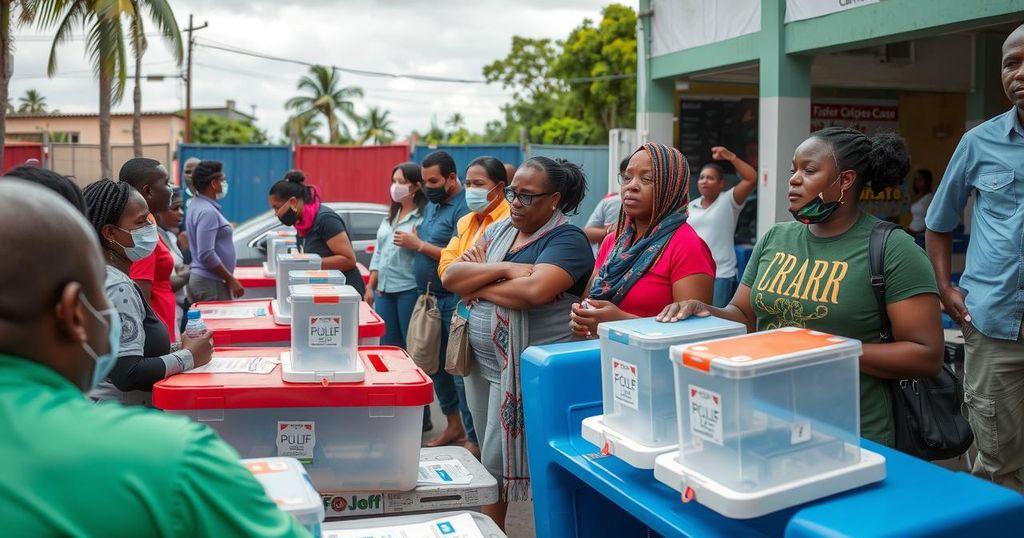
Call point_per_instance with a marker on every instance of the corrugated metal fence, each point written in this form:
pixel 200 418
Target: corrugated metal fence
pixel 351 173
pixel 593 160
pixel 17 154
pixel 463 155
pixel 251 170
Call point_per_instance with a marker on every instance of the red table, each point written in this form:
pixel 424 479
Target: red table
pixel 261 330
pixel 258 285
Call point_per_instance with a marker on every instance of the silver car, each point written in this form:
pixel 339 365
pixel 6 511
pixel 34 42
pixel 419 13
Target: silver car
pixel 361 219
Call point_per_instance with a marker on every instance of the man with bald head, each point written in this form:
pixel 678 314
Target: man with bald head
pixel 74 468
pixel 989 163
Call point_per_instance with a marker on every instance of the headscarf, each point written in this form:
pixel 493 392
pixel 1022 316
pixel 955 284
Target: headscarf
pixel 633 256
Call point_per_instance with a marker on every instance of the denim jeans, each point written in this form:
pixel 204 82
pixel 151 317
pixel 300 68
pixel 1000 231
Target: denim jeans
pixel 450 390
pixel 395 309
pixel 725 288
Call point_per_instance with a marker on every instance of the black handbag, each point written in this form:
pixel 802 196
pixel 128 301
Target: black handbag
pixel 926 410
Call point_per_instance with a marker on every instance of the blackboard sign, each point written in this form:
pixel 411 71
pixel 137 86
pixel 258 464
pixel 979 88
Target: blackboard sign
pixel 704 123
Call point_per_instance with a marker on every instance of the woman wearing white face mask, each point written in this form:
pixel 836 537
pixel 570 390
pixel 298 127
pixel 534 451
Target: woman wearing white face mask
pixel 118 213
pixel 210 238
pixel 486 179
pixel 391 289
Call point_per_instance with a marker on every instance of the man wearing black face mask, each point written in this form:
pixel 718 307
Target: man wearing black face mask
pixel 440 223
pixel 75 468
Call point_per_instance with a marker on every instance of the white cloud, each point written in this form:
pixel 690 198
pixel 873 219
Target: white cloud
pixel 449 38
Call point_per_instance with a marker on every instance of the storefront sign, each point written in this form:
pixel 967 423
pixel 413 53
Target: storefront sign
pixel 798 10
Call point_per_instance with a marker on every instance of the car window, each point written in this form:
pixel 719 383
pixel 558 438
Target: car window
pixel 362 225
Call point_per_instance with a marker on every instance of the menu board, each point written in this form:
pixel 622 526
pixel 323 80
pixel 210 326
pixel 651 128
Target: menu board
pixel 704 123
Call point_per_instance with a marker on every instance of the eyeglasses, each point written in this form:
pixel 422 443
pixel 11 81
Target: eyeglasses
pixel 646 181
pixel 525 199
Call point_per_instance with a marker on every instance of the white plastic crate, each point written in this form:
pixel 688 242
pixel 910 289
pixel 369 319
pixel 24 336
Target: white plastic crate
pixel 287 263
pixel 321 276
pixel 278 243
pixel 639 420
pixel 325 328
pixel 287 484
pixel 350 436
pixel 768 420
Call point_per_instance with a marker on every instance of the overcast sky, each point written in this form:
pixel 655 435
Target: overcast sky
pixel 449 38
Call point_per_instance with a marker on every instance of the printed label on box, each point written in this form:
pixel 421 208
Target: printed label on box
pixel 353 504
pixel 296 440
pixel 325 331
pixel 625 386
pixel 706 414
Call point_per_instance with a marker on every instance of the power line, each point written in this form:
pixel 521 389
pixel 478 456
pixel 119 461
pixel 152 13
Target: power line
pixel 40 38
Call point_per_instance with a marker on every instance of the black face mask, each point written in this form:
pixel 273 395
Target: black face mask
pixel 289 218
pixel 435 195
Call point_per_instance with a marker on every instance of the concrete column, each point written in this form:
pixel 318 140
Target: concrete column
pixel 784 117
pixel 654 97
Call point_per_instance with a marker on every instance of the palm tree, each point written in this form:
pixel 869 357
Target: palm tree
pixel 456 121
pixel 164 18
pixel 105 40
pixel 377 127
pixel 22 12
pixel 302 129
pixel 325 96
pixel 436 134
pixel 32 102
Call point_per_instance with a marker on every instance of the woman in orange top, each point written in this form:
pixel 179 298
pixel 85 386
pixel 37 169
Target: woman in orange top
pixel 486 179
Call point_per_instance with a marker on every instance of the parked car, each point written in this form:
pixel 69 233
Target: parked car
pixel 362 220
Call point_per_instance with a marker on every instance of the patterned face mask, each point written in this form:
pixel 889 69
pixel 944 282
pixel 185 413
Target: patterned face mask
pixel 818 210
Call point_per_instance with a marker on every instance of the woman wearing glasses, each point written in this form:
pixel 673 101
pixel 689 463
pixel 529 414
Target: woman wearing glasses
pixel 653 257
pixel 520 279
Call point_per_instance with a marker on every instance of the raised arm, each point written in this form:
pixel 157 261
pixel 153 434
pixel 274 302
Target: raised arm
pixel 748 176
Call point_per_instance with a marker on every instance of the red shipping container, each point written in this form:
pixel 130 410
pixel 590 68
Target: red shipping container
pixel 351 173
pixel 17 154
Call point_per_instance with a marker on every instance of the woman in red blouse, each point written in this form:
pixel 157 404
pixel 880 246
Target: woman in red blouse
pixel 653 257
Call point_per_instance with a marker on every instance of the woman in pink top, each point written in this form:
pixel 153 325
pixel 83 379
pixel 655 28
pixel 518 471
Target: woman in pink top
pixel 654 257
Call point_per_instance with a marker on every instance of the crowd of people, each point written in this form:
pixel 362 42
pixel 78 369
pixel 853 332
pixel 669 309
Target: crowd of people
pixel 496 248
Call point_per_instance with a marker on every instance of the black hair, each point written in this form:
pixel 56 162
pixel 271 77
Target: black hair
pixel 292 185
pixel 880 161
pixel 204 174
pixel 442 159
pixel 494 168
pixel 565 178
pixel 106 200
pixel 136 171
pixel 927 175
pixel 716 168
pixel 53 181
pixel 411 173
pixel 625 163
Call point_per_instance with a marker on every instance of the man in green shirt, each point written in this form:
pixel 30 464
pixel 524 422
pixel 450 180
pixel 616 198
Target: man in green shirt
pixel 74 468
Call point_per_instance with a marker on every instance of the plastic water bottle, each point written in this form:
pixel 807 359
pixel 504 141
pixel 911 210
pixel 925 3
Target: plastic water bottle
pixel 195 327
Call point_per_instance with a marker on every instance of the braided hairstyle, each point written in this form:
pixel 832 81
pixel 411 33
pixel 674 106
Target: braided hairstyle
pixel 880 161
pixel 565 178
pixel 671 173
pixel 106 200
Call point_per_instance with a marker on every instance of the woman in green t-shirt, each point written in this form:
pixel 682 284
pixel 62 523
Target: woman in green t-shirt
pixel 815 272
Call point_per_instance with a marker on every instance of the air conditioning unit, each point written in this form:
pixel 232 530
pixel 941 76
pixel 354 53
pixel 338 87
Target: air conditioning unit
pixel 621 144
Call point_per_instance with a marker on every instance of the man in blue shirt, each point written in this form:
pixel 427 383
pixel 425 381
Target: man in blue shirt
pixel 990 163
pixel 447 205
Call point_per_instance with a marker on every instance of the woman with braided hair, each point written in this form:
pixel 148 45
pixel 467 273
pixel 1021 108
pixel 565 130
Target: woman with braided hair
pixel 653 257
pixel 815 273
pixel 119 213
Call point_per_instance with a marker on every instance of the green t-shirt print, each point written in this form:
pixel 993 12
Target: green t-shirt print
pixel 799 280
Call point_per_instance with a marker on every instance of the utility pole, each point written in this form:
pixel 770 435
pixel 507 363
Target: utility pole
pixel 188 79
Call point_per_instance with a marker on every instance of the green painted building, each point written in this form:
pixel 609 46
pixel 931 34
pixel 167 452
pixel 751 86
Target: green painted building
pixel 760 75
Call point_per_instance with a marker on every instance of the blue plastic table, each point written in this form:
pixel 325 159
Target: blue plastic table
pixel 578 493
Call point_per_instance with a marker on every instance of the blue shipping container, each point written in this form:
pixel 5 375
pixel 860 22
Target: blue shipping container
pixel 463 155
pixel 250 170
pixel 594 161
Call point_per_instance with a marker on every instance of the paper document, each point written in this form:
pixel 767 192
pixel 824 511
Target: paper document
pixel 443 472
pixel 234 312
pixel 237 365
pixel 460 526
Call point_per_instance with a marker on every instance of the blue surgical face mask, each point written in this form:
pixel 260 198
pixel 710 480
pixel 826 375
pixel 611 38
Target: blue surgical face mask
pixel 104 363
pixel 223 190
pixel 144 240
pixel 476 198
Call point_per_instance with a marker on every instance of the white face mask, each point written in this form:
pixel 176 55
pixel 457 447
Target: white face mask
pixel 223 190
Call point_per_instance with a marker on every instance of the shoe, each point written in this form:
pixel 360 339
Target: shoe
pixel 427 426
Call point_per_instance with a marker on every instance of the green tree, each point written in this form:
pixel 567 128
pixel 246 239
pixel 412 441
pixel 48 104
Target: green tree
pixel 324 95
pixel 103 23
pixel 526 71
pixel 499 132
pixel 32 102
pixel 436 134
pixel 604 57
pixel 303 129
pixel 563 130
pixel 377 127
pixel 210 129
